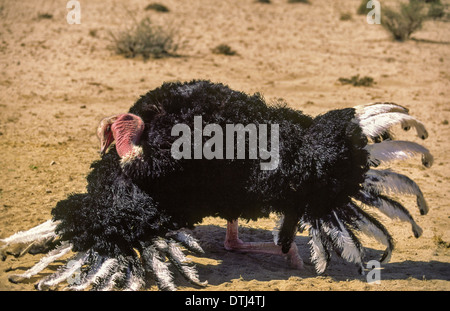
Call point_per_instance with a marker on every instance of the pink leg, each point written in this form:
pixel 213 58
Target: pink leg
pixel 233 243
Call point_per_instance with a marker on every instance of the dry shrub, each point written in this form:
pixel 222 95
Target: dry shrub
pixel 299 1
pixel 224 49
pixel 362 9
pixel 144 39
pixel 357 81
pixel 157 7
pixel 436 10
pixel 403 22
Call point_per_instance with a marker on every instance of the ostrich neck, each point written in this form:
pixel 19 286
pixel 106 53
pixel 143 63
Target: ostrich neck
pixel 127 136
pixel 125 146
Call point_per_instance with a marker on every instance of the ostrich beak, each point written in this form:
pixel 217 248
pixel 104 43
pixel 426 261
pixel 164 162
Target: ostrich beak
pixel 105 143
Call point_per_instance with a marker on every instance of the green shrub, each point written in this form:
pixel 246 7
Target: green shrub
pixel 403 22
pixel 298 1
pixel 362 9
pixel 357 81
pixel 45 16
pixel 224 49
pixel 144 39
pixel 436 10
pixel 157 7
pixel 345 16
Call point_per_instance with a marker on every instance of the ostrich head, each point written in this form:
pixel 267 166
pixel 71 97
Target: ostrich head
pixel 126 130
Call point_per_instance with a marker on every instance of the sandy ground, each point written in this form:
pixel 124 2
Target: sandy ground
pixel 58 80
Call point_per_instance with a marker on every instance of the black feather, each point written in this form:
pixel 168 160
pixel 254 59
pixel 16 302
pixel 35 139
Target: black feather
pixel 114 214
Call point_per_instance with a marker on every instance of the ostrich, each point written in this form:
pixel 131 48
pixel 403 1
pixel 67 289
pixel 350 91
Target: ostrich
pixel 129 223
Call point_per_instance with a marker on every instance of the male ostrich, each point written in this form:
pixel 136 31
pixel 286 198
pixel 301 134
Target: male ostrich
pixel 139 195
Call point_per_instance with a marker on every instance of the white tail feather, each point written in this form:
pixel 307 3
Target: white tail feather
pixel 318 252
pixel 342 240
pixel 376 125
pixel 389 182
pixel 160 269
pixel 180 260
pixel 64 273
pixel 162 273
pixel 350 251
pixel 391 211
pixel 109 284
pixel 175 255
pixel 40 232
pixel 369 110
pixel 188 241
pixel 134 283
pixel 371 227
pixel 391 150
pixel 63 249
pixel 394 210
pixel 98 270
pixel 105 274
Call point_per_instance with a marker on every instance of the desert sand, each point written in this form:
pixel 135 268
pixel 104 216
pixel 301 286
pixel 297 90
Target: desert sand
pixel 58 80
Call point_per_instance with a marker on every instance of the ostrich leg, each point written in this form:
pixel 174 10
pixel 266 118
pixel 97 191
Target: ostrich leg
pixel 233 243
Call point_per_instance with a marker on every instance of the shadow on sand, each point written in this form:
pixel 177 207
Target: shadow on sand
pixel 227 265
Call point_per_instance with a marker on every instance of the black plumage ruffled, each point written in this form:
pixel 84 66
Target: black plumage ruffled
pixel 122 228
pixel 322 160
pixel 113 217
pixel 323 165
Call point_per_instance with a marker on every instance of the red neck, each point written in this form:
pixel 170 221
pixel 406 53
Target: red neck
pixel 127 131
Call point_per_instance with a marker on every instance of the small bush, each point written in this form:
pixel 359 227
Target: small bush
pixel 362 9
pixel 298 1
pixel 224 49
pixel 436 10
pixel 263 1
pixel 440 243
pixel 403 22
pixel 357 81
pixel 346 16
pixel 93 33
pixel 157 7
pixel 45 16
pixel 144 39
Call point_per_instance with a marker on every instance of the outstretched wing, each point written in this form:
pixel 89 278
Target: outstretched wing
pixel 335 228
pixel 116 234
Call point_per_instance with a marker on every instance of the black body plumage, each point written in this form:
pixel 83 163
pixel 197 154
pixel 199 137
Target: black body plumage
pixel 114 216
pixel 324 166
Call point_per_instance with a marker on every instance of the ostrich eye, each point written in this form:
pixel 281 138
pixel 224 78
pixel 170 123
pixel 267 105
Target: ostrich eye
pixel 108 129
